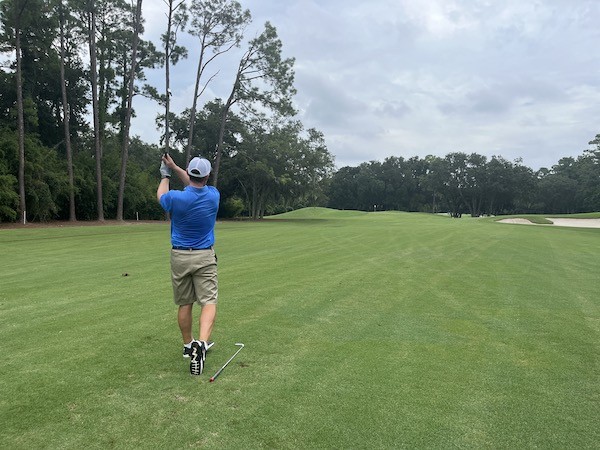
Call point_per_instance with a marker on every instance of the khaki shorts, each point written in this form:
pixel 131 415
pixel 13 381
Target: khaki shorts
pixel 194 277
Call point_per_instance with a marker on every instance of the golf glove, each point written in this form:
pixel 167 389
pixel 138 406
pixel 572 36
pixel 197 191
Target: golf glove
pixel 165 171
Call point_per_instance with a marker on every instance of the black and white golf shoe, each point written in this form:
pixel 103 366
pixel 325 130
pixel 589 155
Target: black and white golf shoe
pixel 197 356
pixel 187 351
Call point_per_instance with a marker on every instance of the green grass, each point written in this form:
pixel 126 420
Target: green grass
pixel 362 330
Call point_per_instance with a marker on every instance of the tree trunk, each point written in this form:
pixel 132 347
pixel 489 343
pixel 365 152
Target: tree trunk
pixel 66 118
pixel 261 206
pixel 246 194
pixel 188 151
pixel 168 76
pixel 21 122
pixel 94 80
pixel 103 91
pixel 254 203
pixel 215 171
pixel 127 124
pixel 230 101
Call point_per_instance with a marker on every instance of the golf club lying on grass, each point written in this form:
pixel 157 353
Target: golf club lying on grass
pixel 228 361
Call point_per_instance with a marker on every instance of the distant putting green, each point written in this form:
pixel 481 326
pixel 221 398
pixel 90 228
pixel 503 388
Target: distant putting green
pixel 362 330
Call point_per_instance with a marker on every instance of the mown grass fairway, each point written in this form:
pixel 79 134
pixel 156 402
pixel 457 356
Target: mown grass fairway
pixel 362 330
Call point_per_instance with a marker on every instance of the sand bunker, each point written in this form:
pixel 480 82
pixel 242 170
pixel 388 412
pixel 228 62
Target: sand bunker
pixel 561 222
pixel 581 223
pixel 519 221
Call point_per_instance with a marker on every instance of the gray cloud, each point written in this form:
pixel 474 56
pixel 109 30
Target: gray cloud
pixel 406 78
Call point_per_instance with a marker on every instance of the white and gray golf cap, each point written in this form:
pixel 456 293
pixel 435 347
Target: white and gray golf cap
pixel 199 167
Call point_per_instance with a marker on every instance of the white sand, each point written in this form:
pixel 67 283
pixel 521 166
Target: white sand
pixel 519 221
pixel 581 223
pixel 561 222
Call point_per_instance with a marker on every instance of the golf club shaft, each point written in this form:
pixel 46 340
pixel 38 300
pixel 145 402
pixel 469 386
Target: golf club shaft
pixel 225 365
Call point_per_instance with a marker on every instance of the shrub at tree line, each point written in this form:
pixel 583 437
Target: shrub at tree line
pixel 55 164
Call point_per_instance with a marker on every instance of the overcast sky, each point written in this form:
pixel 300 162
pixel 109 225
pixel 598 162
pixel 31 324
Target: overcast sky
pixel 516 78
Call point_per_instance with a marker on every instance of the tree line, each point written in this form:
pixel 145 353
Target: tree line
pixel 461 183
pixel 71 72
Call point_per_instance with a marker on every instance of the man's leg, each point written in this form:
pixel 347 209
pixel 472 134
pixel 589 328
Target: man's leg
pixel 184 318
pixel 206 321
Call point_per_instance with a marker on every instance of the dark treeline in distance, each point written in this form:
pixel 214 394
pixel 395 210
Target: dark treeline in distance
pixel 72 71
pixel 470 184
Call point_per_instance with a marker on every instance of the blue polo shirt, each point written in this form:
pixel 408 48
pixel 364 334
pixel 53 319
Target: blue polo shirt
pixel 193 215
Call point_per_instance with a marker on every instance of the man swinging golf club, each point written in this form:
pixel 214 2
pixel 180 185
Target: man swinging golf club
pixel 193 261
